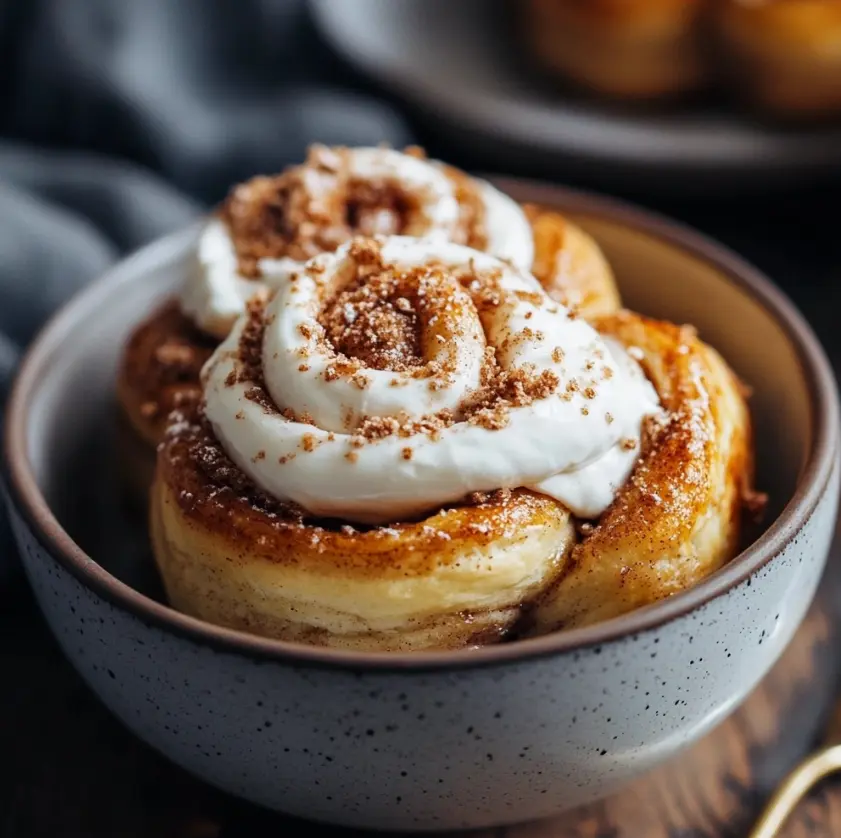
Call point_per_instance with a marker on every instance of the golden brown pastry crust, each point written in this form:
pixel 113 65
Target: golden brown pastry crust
pixel 229 555
pixel 514 563
pixel 570 265
pixel 677 520
pixel 628 49
pixel 785 55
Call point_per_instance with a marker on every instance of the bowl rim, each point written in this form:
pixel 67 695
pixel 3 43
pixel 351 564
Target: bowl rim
pixel 815 368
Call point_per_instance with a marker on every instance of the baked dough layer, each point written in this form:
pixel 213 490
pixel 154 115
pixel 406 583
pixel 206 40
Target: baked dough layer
pixel 677 520
pixel 231 557
pixel 513 564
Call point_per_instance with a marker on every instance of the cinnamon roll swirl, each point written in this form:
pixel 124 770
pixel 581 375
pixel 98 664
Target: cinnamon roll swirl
pixel 678 518
pixel 394 450
pixel 270 226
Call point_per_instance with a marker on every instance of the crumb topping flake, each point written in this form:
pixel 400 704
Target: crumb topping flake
pixel 314 207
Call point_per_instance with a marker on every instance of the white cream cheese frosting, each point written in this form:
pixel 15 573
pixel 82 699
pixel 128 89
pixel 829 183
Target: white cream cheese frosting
pixel 216 291
pixel 574 435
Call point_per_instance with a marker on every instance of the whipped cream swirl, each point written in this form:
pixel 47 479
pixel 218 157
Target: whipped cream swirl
pixel 216 290
pixel 507 390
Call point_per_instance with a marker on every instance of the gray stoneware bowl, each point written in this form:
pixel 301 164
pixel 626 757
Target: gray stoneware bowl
pixel 427 740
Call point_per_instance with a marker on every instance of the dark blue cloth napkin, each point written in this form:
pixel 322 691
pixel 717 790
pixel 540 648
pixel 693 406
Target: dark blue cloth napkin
pixel 201 92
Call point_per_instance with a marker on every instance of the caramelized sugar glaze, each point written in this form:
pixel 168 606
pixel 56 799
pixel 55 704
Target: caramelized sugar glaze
pixel 160 369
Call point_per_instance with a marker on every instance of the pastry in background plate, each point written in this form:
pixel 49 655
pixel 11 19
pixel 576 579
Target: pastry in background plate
pixel 625 49
pixel 271 225
pixel 410 445
pixel 784 55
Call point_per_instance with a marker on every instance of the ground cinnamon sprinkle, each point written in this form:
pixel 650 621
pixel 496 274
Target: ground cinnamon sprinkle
pixel 497 496
pixel 302 418
pixel 163 359
pixel 471 228
pixel 191 433
pixel 316 206
pixel 377 319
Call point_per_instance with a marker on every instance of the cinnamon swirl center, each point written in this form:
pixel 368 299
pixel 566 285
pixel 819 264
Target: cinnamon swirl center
pixel 408 374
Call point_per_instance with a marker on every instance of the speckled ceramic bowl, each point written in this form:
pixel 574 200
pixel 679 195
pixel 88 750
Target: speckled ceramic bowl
pixel 427 740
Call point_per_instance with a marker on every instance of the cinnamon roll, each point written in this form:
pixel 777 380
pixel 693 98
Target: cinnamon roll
pixel 627 49
pixel 270 226
pixel 785 55
pixel 677 519
pixel 397 450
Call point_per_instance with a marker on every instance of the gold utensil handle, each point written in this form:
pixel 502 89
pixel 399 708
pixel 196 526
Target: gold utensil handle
pixel 796 786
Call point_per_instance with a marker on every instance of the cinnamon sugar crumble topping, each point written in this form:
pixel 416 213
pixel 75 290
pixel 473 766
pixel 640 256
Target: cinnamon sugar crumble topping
pixel 175 355
pixel 163 360
pixel 498 496
pixel 317 206
pixel 379 318
pixel 374 319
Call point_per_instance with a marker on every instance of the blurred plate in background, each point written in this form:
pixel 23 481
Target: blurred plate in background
pixel 454 61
